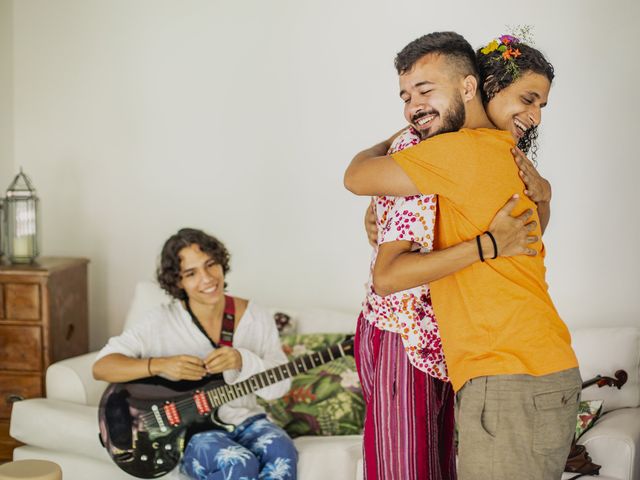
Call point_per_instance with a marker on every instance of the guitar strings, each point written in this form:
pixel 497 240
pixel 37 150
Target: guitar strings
pixel 183 406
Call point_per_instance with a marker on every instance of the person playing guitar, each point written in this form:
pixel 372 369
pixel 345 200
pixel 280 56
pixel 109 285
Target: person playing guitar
pixel 204 332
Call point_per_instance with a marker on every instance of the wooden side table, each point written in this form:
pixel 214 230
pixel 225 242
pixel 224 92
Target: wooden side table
pixel 43 319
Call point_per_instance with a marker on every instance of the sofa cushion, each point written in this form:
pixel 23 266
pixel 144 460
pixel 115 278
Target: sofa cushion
pixel 318 320
pixel 345 454
pixel 146 296
pixel 602 351
pixel 326 400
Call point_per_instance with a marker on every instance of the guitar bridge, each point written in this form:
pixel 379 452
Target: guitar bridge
pixel 158 417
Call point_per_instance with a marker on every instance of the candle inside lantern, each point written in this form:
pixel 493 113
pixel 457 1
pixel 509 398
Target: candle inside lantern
pixel 23 247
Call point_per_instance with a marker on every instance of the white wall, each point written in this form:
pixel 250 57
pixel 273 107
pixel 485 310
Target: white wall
pixel 137 118
pixel 6 94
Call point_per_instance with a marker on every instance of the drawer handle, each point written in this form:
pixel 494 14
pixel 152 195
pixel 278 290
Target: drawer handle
pixel 14 397
pixel 70 329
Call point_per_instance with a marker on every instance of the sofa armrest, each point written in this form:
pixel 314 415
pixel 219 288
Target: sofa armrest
pixel 71 380
pixel 58 426
pixel 614 443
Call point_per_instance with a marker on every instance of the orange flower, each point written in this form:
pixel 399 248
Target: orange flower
pixel 511 53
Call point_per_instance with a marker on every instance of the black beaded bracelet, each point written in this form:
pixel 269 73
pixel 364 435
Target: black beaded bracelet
pixel 479 248
pixel 495 245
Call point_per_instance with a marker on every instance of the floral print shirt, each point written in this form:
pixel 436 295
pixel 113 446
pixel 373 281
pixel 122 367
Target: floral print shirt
pixel 408 313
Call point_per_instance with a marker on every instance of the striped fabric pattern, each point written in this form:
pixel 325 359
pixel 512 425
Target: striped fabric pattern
pixel 409 424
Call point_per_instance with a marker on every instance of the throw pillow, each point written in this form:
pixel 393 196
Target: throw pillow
pixel 285 324
pixel 588 412
pixel 326 400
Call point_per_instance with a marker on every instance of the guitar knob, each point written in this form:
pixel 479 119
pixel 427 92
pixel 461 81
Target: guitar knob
pixel 159 461
pixel 144 458
pixel 167 446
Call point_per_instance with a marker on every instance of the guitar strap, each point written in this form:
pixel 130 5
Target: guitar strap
pixel 228 323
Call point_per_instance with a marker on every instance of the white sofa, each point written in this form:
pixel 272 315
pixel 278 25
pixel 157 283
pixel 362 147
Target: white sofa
pixel 63 427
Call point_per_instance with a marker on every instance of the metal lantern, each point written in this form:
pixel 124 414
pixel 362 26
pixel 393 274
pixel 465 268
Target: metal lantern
pixel 22 220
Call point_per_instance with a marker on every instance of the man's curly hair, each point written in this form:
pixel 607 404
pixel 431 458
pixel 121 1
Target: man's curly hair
pixel 495 76
pixel 168 273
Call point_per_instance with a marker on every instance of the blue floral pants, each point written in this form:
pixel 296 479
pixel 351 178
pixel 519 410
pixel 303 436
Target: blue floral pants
pixel 256 449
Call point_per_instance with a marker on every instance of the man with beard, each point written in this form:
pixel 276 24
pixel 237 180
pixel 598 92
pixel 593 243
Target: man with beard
pixel 508 353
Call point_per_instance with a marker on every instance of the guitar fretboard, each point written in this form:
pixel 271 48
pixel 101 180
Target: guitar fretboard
pixel 221 395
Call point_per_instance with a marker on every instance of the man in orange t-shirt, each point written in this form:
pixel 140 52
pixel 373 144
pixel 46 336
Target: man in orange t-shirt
pixel 509 354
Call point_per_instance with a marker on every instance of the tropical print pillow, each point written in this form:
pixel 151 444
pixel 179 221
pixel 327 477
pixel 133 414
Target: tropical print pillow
pixel 588 412
pixel 326 400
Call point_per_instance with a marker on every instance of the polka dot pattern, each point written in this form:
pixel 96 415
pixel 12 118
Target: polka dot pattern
pixel 409 312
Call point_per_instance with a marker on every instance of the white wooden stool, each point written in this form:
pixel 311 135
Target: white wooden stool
pixel 30 470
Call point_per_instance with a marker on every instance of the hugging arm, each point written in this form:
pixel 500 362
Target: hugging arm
pixel 373 172
pixel 398 268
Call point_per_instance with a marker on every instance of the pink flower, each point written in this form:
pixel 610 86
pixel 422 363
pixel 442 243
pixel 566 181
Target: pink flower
pixel 508 39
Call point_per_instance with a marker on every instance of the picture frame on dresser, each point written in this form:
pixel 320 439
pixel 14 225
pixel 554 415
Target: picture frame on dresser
pixel 43 319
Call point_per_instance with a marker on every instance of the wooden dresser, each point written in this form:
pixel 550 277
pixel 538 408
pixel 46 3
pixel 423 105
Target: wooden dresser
pixel 43 319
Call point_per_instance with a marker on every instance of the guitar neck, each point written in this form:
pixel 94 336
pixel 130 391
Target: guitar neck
pixel 223 394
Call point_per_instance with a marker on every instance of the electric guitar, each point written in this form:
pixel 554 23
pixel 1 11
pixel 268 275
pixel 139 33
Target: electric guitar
pixel 145 424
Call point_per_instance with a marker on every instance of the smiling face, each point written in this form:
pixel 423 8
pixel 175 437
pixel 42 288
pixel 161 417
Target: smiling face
pixel 201 277
pixel 431 94
pixel 518 107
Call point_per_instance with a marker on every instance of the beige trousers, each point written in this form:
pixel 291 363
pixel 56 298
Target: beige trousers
pixel 516 426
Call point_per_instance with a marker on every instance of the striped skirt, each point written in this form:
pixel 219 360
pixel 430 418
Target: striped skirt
pixel 409 424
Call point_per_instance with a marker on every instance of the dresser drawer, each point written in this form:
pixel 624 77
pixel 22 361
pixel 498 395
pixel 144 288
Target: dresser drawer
pixel 21 347
pixel 17 386
pixel 22 301
pixel 7 444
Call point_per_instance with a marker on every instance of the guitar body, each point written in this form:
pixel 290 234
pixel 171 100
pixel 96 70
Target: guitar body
pixel 130 431
pixel 145 424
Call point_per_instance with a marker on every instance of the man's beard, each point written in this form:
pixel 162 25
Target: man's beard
pixel 452 120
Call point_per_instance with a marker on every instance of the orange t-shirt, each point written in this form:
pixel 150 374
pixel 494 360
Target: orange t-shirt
pixel 495 317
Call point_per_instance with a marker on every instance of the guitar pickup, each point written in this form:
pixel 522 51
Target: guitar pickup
pixel 202 404
pixel 171 411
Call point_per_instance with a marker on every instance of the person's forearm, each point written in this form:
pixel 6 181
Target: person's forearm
pixel 374 172
pixel 544 212
pixel 118 368
pixel 411 269
pixel 351 175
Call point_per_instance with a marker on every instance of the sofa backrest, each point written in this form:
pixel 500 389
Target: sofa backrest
pixel 600 351
pixel 603 351
pixel 313 320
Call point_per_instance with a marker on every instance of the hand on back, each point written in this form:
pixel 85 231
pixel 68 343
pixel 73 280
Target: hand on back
pixel 513 233
pixel 537 188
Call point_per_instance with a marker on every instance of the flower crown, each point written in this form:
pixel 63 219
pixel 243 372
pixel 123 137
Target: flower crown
pixel 506 45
